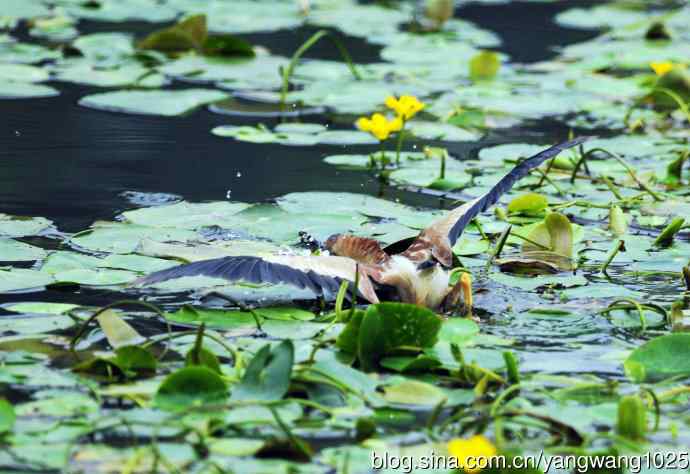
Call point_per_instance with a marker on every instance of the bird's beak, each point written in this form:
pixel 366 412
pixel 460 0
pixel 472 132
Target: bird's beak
pixel 466 285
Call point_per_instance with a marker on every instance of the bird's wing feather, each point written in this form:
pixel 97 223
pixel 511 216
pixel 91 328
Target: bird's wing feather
pixel 456 220
pixel 321 274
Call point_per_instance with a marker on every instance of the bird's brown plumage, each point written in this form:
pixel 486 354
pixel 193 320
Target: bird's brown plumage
pixel 419 273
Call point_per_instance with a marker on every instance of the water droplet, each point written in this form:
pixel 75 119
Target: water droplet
pixel 239 175
pixel 17 132
pixel 228 195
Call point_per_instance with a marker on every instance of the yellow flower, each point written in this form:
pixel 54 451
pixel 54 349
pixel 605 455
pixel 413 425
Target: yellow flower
pixel 379 125
pixel 406 106
pixel 396 124
pixel 473 454
pixel 661 68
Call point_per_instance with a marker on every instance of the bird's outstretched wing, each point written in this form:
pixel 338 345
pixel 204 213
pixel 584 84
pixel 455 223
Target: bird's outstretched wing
pixel 442 234
pixel 320 274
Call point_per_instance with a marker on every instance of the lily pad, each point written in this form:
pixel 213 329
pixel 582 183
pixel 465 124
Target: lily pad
pixel 413 392
pixel 161 102
pixel 23 279
pixel 267 376
pixel 15 251
pixel 16 226
pixel 662 357
pixel 21 90
pixel 185 215
pixel 191 387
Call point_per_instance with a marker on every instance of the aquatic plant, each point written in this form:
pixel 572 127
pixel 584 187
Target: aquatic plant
pixel 405 108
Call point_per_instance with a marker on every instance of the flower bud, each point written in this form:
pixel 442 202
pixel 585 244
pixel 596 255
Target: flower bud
pixel 632 417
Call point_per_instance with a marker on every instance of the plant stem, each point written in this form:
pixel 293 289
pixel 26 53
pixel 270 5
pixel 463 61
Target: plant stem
pixel 444 155
pixel 612 187
pixel 620 245
pixel 401 138
pixel 630 171
pixel 548 180
pixel 499 245
pixel 313 39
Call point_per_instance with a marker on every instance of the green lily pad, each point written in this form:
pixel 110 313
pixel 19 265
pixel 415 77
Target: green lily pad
pixel 413 392
pixel 23 279
pixel 7 416
pixel 386 327
pixel 185 215
pixel 662 357
pixel 160 102
pixel 38 324
pixel 16 226
pixel 95 277
pixel 124 238
pixel 15 251
pixel 529 204
pixel 83 71
pixel 22 73
pixel 40 307
pixel 25 53
pixel 122 10
pixel 441 131
pixel 534 282
pixel 267 376
pixel 213 318
pixel 191 387
pixel 21 90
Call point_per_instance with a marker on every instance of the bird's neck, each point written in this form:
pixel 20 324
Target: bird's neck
pixel 427 287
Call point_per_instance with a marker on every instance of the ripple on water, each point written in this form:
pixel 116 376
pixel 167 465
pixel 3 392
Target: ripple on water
pixel 143 199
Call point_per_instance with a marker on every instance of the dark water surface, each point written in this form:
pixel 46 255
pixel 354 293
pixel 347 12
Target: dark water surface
pixel 72 164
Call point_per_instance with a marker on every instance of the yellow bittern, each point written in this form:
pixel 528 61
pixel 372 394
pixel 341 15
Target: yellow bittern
pixel 419 274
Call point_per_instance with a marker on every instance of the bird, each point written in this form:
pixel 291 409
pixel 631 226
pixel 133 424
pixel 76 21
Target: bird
pixel 415 271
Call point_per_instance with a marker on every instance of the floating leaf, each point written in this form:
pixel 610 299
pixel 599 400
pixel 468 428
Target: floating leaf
pixel 22 73
pixel 136 359
pixel 191 387
pixel 40 307
pixel 190 33
pixel 7 416
pixel 18 226
pixel 204 358
pixel 458 331
pixel 420 363
pixel 213 318
pixel 118 332
pixel 15 251
pixel 660 358
pixel 19 90
pixel 267 376
pixel 386 327
pixel 160 102
pixel 23 279
pixel 529 204
pixel 227 46
pixel 413 392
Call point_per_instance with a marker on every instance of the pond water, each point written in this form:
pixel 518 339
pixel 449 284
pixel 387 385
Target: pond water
pixel 74 165
pixel 108 183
